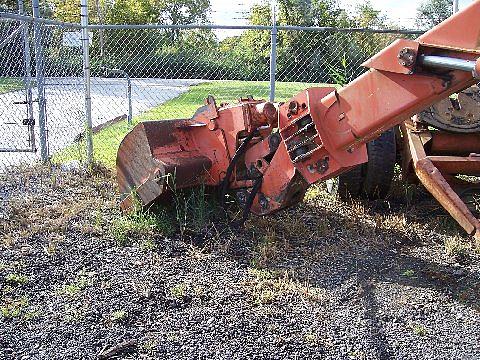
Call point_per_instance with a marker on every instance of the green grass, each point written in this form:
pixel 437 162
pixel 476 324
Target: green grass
pixel 106 141
pixel 8 84
pixel 16 279
pixel 141 225
pixel 118 316
pixel 13 308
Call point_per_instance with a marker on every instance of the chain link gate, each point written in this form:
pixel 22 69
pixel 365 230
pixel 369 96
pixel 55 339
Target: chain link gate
pixel 17 115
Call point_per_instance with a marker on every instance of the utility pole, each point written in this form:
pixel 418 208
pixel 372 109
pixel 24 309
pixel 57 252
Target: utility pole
pixel 27 80
pixel 39 72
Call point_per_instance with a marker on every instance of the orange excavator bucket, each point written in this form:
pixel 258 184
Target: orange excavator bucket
pixel 156 157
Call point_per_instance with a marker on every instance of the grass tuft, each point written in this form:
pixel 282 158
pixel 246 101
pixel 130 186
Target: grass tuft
pixel 266 287
pixel 118 316
pixel 408 273
pixel 456 247
pixel 16 279
pixel 141 224
pixel 419 329
pixel 179 290
pixel 13 308
pixel 81 282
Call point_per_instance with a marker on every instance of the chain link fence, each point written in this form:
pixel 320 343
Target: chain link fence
pixel 148 72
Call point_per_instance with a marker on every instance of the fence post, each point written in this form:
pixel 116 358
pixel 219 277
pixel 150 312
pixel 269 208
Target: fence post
pixel 86 73
pixel 455 6
pixel 39 68
pixel 27 80
pixel 273 53
pixel 129 96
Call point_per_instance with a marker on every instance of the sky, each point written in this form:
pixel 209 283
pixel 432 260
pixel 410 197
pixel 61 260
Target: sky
pixel 235 12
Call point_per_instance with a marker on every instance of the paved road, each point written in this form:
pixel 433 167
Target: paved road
pixel 65 110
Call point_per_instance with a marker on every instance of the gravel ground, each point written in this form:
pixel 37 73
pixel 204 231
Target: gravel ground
pixel 394 279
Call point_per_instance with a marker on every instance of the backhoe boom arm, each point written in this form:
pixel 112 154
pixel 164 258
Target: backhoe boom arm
pixel 271 153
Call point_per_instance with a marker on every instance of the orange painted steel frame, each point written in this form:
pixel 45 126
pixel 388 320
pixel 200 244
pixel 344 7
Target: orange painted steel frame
pixel 448 155
pixel 321 133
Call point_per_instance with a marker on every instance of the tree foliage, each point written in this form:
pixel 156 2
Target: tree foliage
pixel 368 17
pixel 432 12
pixel 173 12
pixel 180 12
pixel 8 4
pixel 309 56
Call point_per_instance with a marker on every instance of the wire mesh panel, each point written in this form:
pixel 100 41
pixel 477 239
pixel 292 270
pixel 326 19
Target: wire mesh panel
pixel 169 73
pixel 328 56
pixel 17 142
pixel 64 92
pixel 152 73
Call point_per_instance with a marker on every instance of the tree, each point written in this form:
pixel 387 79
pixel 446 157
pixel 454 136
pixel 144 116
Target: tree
pixel 309 12
pixel 432 12
pixel 69 10
pixel 9 5
pixel 364 45
pixel 169 12
pixel 368 17
pixel 181 12
pixel 131 12
pixel 12 6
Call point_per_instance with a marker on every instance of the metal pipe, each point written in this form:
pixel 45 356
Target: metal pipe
pixel 455 6
pixel 5 150
pixel 86 72
pixel 256 27
pixel 129 95
pixel 273 53
pixel 129 89
pixel 39 68
pixel 8 16
pixel 449 63
pixel 349 30
pixel 30 19
pixel 28 78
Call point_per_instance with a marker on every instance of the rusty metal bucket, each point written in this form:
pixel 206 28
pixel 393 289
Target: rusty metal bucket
pixel 437 158
pixel 154 157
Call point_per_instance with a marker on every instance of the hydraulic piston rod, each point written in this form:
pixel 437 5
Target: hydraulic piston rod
pixel 451 63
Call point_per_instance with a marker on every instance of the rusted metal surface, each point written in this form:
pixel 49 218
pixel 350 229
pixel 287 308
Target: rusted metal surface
pixel 273 152
pixel 460 31
pixel 399 57
pixel 149 162
pixel 436 184
pixel 460 114
pixel 438 173
pixel 457 165
pixel 446 143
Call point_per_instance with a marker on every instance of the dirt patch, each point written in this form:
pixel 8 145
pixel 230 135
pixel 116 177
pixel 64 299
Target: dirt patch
pixel 390 279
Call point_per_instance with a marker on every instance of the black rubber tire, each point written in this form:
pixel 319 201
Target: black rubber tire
pixel 372 179
pixel 350 184
pixel 379 170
